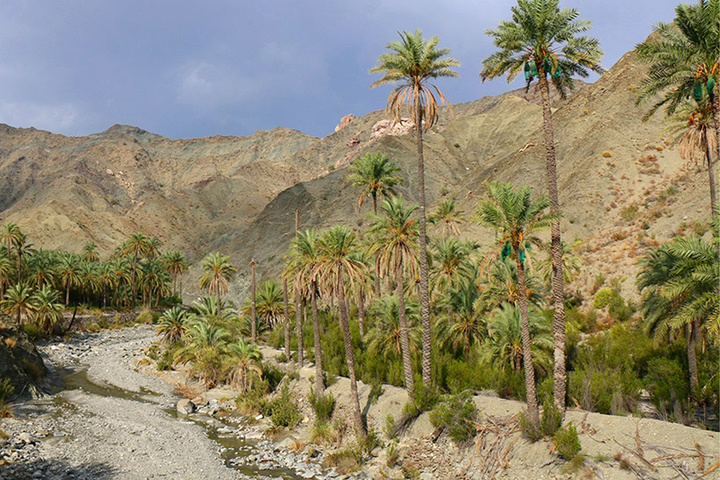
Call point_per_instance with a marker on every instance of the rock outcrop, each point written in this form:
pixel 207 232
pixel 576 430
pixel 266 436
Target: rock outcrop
pixel 20 361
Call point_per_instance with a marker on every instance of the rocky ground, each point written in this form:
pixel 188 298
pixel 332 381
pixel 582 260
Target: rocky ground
pixel 112 421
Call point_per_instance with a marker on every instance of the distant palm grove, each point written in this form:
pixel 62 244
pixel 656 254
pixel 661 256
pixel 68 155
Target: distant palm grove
pixel 404 297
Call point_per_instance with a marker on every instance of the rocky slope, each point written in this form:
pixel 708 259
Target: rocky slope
pixel 623 186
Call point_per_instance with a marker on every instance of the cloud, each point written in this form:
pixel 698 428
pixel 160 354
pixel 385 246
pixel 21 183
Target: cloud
pixel 60 117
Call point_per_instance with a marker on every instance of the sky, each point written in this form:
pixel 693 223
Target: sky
pixel 195 68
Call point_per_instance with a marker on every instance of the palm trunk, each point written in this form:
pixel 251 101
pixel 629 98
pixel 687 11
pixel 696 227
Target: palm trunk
pixel 350 358
pixel 298 328
pixel 67 294
pixel 361 314
pixel 404 337
pixel 693 332
pixel 424 294
pixel 134 280
pixel 253 311
pixel 377 258
pixel 532 403
pixel 319 381
pixel 711 173
pixel 558 287
pixel 286 311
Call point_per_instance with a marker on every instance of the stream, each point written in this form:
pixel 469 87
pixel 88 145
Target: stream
pixel 234 449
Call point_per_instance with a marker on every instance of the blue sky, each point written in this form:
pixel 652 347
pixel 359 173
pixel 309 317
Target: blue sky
pixel 194 68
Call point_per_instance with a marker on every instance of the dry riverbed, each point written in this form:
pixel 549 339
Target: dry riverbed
pixel 112 421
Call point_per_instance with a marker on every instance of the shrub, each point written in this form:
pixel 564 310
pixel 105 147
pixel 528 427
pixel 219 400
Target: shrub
pixel 34 332
pixel 530 431
pixel 390 427
pixel 603 297
pixel 668 384
pixel 551 420
pixel 147 316
pixel 281 410
pixel 567 443
pixel 345 461
pixel 423 399
pixel 6 389
pixel 456 413
pixel 323 405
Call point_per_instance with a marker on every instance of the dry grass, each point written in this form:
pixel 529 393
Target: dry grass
pixel 186 391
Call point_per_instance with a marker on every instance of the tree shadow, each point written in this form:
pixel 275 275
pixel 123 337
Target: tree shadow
pixel 58 470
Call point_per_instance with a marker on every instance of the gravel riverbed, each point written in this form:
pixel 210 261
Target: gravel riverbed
pixel 112 421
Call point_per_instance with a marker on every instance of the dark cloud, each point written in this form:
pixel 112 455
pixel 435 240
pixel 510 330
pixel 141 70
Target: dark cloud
pixel 193 68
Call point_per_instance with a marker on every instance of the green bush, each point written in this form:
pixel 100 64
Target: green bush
pixel 567 443
pixel 456 413
pixel 147 316
pixel 603 297
pixel 281 410
pixel 6 389
pixel 551 420
pixel 529 430
pixel 323 405
pixel 669 386
pixel 423 399
pixel 34 332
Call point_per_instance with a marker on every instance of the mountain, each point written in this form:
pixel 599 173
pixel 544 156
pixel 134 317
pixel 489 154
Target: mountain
pixel 623 186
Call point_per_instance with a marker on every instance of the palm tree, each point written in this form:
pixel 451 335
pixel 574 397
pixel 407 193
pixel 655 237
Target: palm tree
pixel 216 275
pixel 451 265
pixel 69 273
pixel 543 40
pixel 90 252
pixel 18 301
pixel 176 264
pixel 516 217
pixel 501 285
pixel 41 267
pixel 154 281
pixel 448 217
pixel 693 125
pixel 247 359
pixel 6 268
pixel 685 61
pixel 335 266
pixel 137 246
pixel 679 282
pixel 302 261
pixel 253 300
pixel 107 280
pixel 268 305
pixel 46 308
pixel 87 279
pixel 462 327
pixel 206 344
pixel 394 237
pixel 172 325
pixel 411 65
pixel 11 236
pixel 377 175
pixel 385 337
pixel 503 348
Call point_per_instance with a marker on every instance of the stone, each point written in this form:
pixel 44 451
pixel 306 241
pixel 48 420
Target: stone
pixel 185 406
pixel 344 121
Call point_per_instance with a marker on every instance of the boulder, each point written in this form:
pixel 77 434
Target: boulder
pixel 185 406
pixel 344 121
pixel 19 360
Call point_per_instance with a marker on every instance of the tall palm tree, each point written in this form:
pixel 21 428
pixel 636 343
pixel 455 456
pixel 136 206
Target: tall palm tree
pixel 154 280
pixel 448 217
pixel 253 302
pixel 87 280
pixel 41 268
pixel 411 65
pixel 544 41
pixel 679 282
pixel 685 61
pixel 137 246
pixel 516 217
pixel 176 264
pixel 377 175
pixel 6 269
pixel 18 302
pixel 47 311
pixel 693 126
pixel 302 261
pixel 217 272
pixel 69 273
pixel 394 237
pixel 336 267
pixel 501 285
pixel 268 305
